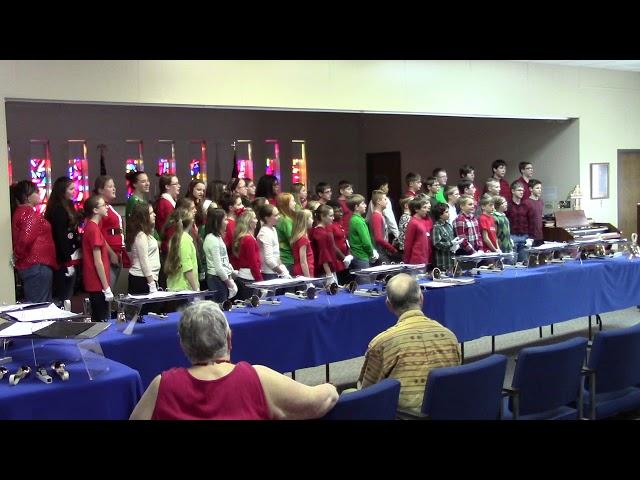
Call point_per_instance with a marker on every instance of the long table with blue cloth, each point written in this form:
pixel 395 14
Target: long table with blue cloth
pixel 304 333
pixel 97 388
pixel 519 299
pixel 295 334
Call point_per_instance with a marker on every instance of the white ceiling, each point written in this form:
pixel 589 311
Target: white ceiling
pixel 628 65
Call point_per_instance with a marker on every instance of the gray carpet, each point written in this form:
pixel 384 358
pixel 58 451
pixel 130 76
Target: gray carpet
pixel 344 374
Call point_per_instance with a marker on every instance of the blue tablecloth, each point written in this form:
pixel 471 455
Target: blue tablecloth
pixel 296 334
pixel 111 395
pixel 301 333
pixel 519 299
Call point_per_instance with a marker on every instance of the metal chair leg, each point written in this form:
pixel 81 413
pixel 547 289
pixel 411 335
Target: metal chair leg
pixel 552 329
pixel 462 352
pixel 326 366
pixel 493 344
pixel 540 329
pixel 599 320
pixel 293 374
pixel 590 336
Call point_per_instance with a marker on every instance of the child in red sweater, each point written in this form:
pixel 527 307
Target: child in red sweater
pixel 303 262
pixel 488 224
pixel 417 240
pixel 322 241
pixel 343 255
pixel 245 253
pixel 378 227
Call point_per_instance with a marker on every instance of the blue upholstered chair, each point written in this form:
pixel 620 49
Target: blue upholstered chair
pixel 614 373
pixel 547 382
pixel 466 392
pixel 375 402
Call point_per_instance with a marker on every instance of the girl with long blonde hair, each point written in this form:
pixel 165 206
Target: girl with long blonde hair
pixel 300 244
pixel 181 265
pixel 245 253
pixel 287 207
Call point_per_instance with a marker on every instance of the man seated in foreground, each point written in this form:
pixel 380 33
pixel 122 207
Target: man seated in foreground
pixel 213 388
pixel 408 350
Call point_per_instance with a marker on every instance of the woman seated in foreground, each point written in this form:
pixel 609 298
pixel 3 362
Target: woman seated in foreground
pixel 213 388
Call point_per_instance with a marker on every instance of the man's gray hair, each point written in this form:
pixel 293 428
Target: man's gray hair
pixel 203 331
pixel 403 293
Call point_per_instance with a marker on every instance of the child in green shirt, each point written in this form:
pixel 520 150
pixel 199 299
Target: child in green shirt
pixel 359 237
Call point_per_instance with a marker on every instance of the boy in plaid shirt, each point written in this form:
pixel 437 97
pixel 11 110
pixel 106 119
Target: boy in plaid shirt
pixel 404 221
pixel 467 226
pixel 445 242
pixel 503 229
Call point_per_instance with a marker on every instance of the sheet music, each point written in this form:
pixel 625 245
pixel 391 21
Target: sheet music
pixel 18 306
pixel 20 329
pixel 38 314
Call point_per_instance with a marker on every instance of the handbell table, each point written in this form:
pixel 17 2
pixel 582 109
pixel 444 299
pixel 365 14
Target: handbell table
pixel 305 333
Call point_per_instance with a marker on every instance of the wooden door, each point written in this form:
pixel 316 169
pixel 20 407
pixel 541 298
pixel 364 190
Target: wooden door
pixel 628 191
pixel 390 165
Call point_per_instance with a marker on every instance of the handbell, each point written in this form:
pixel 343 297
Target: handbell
pixel 23 372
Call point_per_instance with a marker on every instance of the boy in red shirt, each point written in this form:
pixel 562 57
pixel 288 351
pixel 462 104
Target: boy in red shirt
pixel 346 190
pixel 95 260
pixel 536 204
pixel 499 169
pixel 378 227
pixel 340 240
pixel 488 224
pixel 324 251
pixel 467 172
pixel 414 184
pixel 417 240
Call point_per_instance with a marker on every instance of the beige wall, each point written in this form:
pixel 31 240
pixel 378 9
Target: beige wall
pixel 607 103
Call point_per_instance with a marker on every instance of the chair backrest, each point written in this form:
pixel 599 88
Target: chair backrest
pixel 466 392
pixel 549 376
pixel 375 402
pixel 615 357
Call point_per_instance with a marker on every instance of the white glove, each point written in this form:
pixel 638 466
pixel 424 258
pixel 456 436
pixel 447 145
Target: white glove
pixel 152 287
pixel 375 255
pixel 285 273
pixel 108 294
pixel 70 271
pixel 529 242
pixel 347 261
pixel 233 289
pixel 455 244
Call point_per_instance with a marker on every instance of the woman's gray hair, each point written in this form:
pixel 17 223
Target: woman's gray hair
pixel 203 331
pixel 403 293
